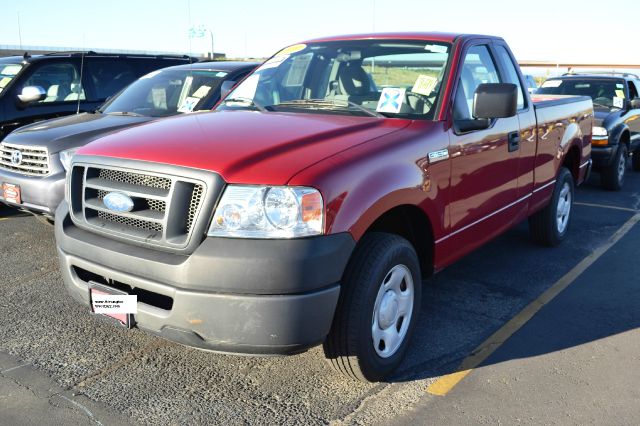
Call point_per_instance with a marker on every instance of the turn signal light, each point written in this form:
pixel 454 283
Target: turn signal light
pixel 600 142
pixel 311 204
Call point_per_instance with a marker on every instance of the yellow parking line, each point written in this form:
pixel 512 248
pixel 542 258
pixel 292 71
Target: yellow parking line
pixel 604 206
pixel 4 218
pixel 444 384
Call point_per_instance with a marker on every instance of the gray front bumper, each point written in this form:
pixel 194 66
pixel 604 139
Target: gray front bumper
pixel 230 295
pixel 39 194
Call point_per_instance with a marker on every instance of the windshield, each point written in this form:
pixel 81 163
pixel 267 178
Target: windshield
pixel 607 93
pixel 372 77
pixel 7 73
pixel 167 92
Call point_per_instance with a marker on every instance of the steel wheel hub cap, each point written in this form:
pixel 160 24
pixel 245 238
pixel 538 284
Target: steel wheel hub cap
pixel 389 310
pixel 392 311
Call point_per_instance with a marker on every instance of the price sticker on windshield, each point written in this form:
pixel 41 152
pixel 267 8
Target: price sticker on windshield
pixel 618 102
pixel 552 83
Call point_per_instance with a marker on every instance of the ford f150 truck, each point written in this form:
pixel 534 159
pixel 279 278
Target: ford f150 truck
pixel 311 204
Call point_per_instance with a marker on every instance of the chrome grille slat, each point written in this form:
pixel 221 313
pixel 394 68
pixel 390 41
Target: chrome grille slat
pixel 165 206
pixel 35 160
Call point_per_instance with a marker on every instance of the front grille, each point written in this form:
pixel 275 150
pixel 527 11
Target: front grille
pixel 165 207
pixel 33 160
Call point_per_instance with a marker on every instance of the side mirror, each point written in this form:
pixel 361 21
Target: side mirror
pixel 32 94
pixel 635 103
pixel 226 87
pixel 495 100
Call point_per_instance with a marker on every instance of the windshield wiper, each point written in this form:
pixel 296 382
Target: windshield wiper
pixel 605 106
pixel 246 101
pixel 329 104
pixel 126 113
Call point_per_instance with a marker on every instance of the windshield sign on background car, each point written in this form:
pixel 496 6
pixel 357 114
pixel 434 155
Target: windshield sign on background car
pixel 7 72
pixel 168 92
pixel 604 93
pixel 370 77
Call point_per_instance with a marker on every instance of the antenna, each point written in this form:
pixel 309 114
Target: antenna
pixel 19 31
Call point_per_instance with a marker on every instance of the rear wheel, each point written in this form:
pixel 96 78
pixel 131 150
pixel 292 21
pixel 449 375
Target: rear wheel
pixel 612 178
pixel 550 225
pixel 379 301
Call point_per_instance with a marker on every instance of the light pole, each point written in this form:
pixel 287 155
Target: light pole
pixel 199 32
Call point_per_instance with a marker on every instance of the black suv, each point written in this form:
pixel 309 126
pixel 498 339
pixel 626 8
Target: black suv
pixel 34 88
pixel 616 131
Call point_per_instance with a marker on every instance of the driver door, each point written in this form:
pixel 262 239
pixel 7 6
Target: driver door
pixel 484 163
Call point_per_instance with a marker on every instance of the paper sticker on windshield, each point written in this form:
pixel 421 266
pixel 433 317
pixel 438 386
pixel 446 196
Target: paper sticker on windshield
pixel 618 102
pixel 151 74
pixel 424 84
pixel 221 74
pixel 391 100
pixel 436 48
pixel 292 49
pixel 552 83
pixel 188 104
pixel 4 82
pixel 620 93
pixel 201 92
pixel 620 85
pixel 273 62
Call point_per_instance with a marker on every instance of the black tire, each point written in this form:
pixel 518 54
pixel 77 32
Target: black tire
pixel 349 346
pixel 635 160
pixel 612 177
pixel 544 226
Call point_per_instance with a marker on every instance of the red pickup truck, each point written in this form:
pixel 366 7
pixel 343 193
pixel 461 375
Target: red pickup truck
pixel 310 205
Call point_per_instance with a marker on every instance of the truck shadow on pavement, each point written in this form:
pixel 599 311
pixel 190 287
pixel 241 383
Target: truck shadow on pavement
pixel 466 303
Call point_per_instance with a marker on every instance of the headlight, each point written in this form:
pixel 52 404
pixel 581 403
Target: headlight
pixel 65 158
pixel 599 131
pixel 268 212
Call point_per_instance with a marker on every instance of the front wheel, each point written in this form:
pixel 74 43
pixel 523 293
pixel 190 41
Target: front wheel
pixel 612 178
pixel 379 302
pixel 550 225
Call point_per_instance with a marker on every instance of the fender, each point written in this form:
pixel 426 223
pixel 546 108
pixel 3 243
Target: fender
pixel 361 184
pixel 616 133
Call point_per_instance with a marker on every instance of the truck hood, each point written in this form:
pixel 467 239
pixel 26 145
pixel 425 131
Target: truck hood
pixel 244 146
pixel 72 131
pixel 605 118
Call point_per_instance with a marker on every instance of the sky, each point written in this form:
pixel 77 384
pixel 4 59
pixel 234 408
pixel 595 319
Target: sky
pixel 546 30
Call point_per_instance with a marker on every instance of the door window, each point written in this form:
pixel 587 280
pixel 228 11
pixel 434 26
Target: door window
pixel 478 67
pixel 633 90
pixel 109 76
pixel 60 81
pixel 511 73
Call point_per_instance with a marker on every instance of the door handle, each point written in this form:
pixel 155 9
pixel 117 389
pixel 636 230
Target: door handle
pixel 514 141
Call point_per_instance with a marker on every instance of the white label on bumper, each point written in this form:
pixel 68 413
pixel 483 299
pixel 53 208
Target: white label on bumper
pixel 115 304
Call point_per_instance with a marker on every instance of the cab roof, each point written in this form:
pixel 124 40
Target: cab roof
pixel 427 36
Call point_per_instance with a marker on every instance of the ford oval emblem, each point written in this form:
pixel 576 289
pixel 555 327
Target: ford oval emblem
pixel 118 202
pixel 16 158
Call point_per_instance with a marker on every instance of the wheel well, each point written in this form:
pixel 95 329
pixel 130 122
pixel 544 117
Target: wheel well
pixel 572 162
pixel 412 224
pixel 625 138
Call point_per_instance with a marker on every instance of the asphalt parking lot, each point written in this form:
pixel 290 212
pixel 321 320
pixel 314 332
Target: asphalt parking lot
pixel 56 359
